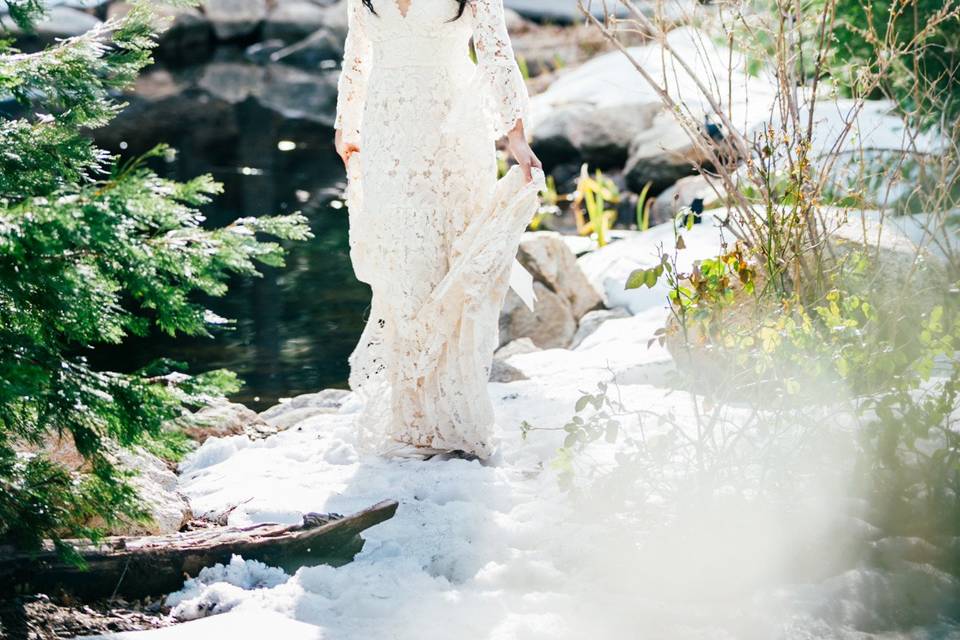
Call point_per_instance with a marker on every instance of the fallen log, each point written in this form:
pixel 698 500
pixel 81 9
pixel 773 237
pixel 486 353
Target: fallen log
pixel 135 567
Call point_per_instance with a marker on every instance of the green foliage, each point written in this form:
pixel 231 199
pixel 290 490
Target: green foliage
pixel 23 12
pixel 593 194
pixel 596 416
pixel 93 250
pixel 923 72
pixel 643 208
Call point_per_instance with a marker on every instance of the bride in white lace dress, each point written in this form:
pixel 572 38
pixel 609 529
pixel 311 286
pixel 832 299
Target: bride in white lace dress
pixel 432 230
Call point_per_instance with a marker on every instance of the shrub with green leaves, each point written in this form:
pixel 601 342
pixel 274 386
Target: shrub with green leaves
pixel 94 249
pixel 922 74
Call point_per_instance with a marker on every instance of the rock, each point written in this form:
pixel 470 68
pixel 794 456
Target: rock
pixel 297 94
pixel 234 19
pixel 551 262
pixel 77 4
pixel 311 52
pixel 232 82
pixel 592 321
pixel 293 410
pixel 500 371
pixel 188 38
pixel 599 136
pixel 562 291
pixel 290 92
pixel 154 482
pixel 156 485
pixel 293 21
pixel 167 106
pixel 558 11
pixel 335 18
pixel 515 348
pixel 661 155
pixel 515 22
pixel 227 419
pixel 61 450
pixel 609 87
pixel 565 12
pixel 551 325
pixel 682 194
pixel 262 52
pixel 60 22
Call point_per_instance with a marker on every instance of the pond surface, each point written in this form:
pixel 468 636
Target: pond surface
pixel 268 140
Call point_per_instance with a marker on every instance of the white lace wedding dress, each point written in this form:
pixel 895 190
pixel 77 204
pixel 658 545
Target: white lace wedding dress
pixel 432 230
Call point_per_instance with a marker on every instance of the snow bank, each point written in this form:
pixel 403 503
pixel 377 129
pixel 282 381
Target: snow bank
pixel 501 551
pixel 250 624
pixel 608 268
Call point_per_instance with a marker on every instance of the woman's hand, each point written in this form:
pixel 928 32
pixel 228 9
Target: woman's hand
pixel 344 150
pixel 521 151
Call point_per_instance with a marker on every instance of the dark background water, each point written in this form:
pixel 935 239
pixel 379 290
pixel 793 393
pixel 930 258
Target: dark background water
pixel 294 327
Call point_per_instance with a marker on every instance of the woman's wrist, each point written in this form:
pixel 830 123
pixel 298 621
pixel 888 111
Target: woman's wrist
pixel 517 134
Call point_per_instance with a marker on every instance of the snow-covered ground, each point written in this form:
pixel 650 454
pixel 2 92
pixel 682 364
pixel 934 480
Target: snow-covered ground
pixel 502 551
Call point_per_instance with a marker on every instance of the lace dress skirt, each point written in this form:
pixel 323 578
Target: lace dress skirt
pixel 434 233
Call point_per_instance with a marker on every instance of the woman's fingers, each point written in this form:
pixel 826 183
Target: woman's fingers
pixel 348 151
pixel 527 167
pixel 527 163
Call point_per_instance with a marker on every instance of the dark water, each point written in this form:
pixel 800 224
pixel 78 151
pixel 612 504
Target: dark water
pixel 295 326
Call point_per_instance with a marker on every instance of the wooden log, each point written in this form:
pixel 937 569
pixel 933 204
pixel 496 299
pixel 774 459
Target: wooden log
pixel 134 567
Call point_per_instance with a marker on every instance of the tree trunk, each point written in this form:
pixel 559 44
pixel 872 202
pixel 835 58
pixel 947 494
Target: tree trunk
pixel 135 567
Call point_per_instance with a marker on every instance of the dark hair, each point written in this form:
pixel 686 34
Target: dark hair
pixel 463 5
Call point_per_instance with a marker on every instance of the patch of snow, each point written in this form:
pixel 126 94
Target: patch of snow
pixel 502 551
pixel 609 268
pixel 238 625
pixel 220 588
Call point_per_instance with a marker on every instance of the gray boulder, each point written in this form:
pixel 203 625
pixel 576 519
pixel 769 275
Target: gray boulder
pixel 154 482
pixel 559 11
pixel 227 419
pixel 516 347
pixel 563 294
pixel 322 45
pixel 600 136
pixel 157 487
pixel 77 4
pixel 551 325
pixel 500 371
pixel 59 23
pixel 262 52
pixel 681 195
pixel 293 21
pixel 609 88
pixel 291 92
pixel 515 22
pixel 298 94
pixel 551 262
pixel 235 18
pixel 592 321
pixel 295 410
pixel 660 155
pixel 187 39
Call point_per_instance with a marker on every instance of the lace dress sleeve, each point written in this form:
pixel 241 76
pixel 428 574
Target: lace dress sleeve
pixel 352 85
pixel 503 91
